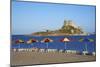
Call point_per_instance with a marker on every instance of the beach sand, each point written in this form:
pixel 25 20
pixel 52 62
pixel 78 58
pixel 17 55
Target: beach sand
pixel 31 58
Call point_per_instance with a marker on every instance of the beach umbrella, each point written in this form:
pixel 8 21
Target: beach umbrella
pixel 47 40
pixel 86 40
pixel 92 40
pixel 65 40
pixel 31 41
pixel 19 41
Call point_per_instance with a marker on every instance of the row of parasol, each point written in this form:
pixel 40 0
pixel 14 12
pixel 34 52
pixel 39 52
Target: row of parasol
pixel 48 40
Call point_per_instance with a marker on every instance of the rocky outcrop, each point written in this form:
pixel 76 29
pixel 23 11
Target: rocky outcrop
pixel 69 28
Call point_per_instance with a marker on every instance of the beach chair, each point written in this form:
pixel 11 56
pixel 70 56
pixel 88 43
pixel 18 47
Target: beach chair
pixel 42 50
pixel 60 51
pixel 14 49
pixel 93 53
pixel 89 53
pixel 68 51
pixel 85 52
pixel 79 53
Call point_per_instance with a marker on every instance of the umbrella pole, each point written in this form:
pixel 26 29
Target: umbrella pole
pixel 32 44
pixel 46 46
pixel 65 45
pixel 85 46
pixel 93 47
pixel 19 46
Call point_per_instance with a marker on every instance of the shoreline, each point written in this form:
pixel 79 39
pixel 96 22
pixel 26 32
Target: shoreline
pixel 54 35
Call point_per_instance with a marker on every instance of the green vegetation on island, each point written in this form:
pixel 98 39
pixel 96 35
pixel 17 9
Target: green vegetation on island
pixel 69 28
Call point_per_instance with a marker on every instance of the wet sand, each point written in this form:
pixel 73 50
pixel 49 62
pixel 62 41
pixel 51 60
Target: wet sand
pixel 29 58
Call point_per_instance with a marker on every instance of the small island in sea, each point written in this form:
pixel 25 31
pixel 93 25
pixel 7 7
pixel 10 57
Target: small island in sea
pixel 68 28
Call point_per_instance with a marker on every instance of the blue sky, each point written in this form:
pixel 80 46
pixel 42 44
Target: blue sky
pixel 29 17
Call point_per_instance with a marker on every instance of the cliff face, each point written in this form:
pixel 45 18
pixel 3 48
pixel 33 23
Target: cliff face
pixel 69 28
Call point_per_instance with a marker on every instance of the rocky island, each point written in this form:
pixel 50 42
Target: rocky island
pixel 68 28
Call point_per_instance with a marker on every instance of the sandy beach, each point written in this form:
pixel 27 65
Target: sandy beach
pixel 34 58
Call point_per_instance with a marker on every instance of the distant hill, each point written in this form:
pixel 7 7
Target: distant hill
pixel 68 28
